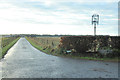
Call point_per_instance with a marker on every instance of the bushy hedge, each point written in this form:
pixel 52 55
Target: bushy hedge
pixel 79 43
pixel 115 42
pixel 89 43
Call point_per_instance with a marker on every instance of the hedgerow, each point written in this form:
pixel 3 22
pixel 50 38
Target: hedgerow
pixel 84 44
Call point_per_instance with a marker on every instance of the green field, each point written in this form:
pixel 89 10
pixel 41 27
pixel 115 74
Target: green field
pixel 6 43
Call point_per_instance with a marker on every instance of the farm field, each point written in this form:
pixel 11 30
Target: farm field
pixel 46 44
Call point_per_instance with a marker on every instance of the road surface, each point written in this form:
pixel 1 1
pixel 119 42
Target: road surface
pixel 25 61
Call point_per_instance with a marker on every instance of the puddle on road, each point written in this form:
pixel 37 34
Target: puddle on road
pixel 31 58
pixel 100 70
pixel 24 47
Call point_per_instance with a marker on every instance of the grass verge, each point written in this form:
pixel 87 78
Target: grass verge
pixel 6 48
pixel 37 46
pixel 116 59
pixel 71 56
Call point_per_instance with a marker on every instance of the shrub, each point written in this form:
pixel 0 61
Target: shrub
pixel 78 43
pixel 89 43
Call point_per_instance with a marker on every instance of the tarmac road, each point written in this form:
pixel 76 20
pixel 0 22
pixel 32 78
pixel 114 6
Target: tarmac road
pixel 25 61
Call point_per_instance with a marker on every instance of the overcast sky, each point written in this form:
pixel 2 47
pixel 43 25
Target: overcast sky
pixel 58 17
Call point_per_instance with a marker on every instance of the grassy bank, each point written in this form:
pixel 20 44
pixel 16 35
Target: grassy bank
pixel 89 58
pixel 42 46
pixel 8 44
pixel 47 47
